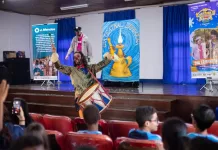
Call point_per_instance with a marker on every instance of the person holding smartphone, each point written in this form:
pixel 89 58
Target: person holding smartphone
pixel 17 111
pixel 10 131
pixel 18 103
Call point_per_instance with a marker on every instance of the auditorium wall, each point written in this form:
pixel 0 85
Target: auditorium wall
pixel 16 35
pixel 15 32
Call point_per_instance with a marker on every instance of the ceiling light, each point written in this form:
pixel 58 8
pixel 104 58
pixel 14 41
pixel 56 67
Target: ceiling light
pixel 74 7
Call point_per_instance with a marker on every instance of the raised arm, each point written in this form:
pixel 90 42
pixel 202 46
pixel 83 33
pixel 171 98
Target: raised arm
pixel 89 48
pixel 54 58
pixel 3 95
pixel 99 66
pixel 70 49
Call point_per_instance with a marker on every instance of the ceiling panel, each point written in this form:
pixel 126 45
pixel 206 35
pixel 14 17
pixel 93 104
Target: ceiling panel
pixel 52 7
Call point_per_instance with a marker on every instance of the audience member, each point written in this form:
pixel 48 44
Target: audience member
pixel 38 130
pixel 202 143
pixel 27 118
pixel 91 116
pixel 147 119
pixel 174 133
pixel 28 142
pixel 15 131
pixel 202 118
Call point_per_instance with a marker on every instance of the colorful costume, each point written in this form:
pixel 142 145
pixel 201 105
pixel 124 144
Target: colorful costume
pixel 81 77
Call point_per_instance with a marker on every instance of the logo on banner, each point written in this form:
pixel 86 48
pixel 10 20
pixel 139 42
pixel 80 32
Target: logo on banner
pixel 36 30
pixel 205 15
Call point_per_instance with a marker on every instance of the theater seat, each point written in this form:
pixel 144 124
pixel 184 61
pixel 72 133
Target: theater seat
pixel 58 136
pixel 103 127
pixel 101 142
pixel 214 129
pixel 120 128
pixel 124 143
pixel 58 123
pixel 37 117
pixel 81 125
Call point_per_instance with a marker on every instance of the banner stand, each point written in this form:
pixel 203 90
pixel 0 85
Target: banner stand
pixel 210 81
pixel 203 32
pixel 59 82
pixel 44 37
pixel 48 83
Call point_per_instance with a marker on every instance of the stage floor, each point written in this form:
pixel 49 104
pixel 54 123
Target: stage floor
pixel 144 88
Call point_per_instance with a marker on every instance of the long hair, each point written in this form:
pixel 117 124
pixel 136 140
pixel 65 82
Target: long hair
pixel 38 130
pixel 83 60
pixel 28 118
pixel 4 133
pixel 173 131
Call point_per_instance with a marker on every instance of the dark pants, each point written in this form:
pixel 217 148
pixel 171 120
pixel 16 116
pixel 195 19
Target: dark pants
pixel 76 105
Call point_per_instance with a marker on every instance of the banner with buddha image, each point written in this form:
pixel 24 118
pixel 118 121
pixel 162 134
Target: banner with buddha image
pixel 203 23
pixel 121 38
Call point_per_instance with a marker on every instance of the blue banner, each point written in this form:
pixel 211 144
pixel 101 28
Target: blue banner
pixel 203 22
pixel 43 36
pixel 123 36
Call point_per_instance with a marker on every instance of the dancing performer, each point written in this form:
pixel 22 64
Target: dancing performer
pixel 82 75
pixel 80 43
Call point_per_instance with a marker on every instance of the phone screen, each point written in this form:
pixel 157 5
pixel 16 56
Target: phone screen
pixel 16 107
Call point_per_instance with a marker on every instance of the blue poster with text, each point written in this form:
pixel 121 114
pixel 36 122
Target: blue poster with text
pixel 203 23
pixel 43 36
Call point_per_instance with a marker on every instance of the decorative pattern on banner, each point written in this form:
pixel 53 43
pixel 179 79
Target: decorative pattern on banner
pixel 203 23
pixel 124 37
pixel 43 36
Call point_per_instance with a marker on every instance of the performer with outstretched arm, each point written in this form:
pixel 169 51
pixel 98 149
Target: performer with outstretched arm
pixel 80 72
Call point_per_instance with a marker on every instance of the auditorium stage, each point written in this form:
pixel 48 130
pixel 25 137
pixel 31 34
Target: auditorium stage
pixel 169 100
pixel 144 88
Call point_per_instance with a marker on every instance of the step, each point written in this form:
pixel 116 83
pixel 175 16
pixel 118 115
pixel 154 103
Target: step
pixel 69 110
pixel 63 110
pixel 133 103
pixel 128 114
pixel 43 98
pixel 42 90
pixel 117 102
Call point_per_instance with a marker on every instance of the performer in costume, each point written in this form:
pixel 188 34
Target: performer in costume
pixel 81 73
pixel 80 43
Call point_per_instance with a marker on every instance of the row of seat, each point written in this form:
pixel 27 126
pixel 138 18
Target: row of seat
pixel 114 131
pixel 102 142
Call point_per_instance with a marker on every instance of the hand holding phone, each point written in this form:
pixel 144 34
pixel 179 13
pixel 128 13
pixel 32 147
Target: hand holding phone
pixel 16 107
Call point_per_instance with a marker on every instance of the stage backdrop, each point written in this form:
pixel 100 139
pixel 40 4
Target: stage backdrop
pixel 124 37
pixel 203 23
pixel 43 35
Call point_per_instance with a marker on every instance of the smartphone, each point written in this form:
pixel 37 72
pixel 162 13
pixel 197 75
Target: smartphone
pixel 16 107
